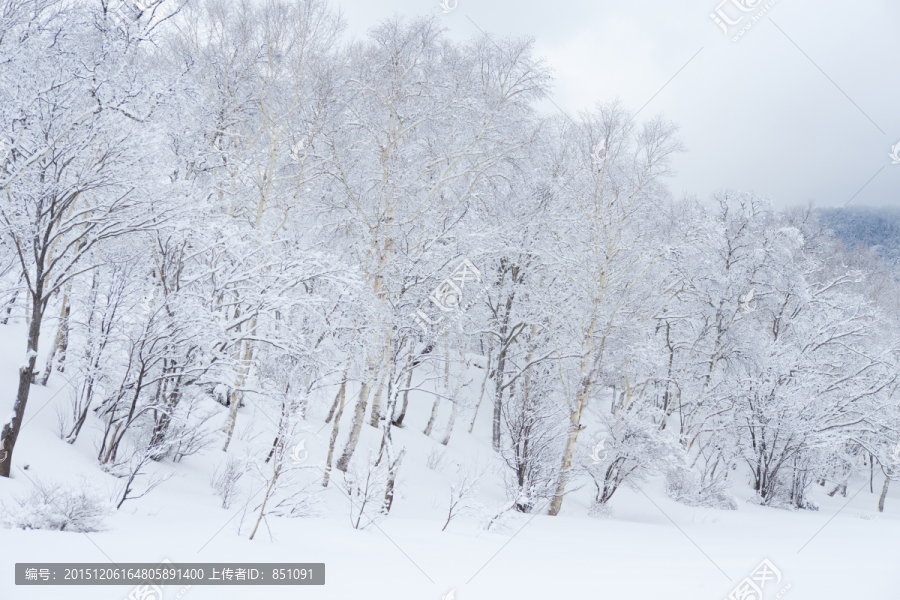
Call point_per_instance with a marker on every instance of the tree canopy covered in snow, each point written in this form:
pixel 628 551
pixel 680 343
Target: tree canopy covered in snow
pixel 225 212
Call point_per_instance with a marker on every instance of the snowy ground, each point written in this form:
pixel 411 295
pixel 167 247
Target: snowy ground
pixel 651 547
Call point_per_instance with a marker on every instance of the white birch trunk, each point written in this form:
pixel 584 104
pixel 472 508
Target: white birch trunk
pixel 459 383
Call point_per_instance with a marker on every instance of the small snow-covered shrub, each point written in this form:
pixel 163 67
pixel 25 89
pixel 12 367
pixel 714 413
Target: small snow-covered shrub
pixel 59 507
pixel 600 510
pixel 462 489
pixel 808 504
pixel 365 485
pixel 683 485
pixel 501 519
pixel 225 483
pixel 783 499
pixel 436 458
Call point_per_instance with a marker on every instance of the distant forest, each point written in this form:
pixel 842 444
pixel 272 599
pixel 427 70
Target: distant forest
pixel 877 228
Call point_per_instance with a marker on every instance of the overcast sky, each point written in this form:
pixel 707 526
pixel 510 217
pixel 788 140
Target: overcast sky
pixel 804 106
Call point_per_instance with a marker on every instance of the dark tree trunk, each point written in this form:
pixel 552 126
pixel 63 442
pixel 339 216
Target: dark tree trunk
pixel 884 490
pixel 398 422
pixel 11 428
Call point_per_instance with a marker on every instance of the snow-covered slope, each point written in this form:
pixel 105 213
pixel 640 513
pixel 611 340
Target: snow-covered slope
pixel 651 547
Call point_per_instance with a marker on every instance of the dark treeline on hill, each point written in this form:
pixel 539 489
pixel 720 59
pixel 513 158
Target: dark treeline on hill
pixel 877 228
